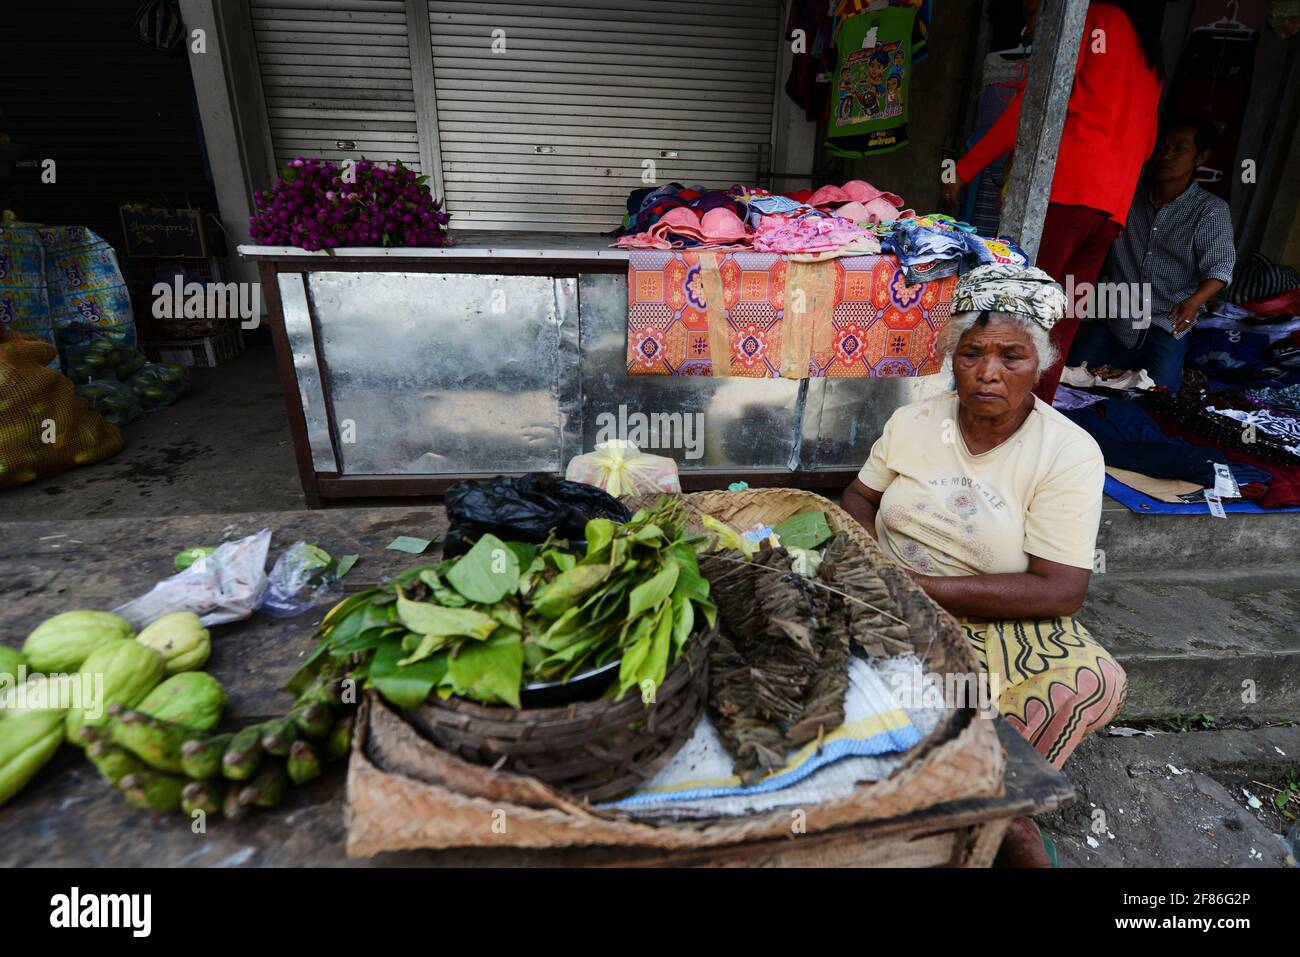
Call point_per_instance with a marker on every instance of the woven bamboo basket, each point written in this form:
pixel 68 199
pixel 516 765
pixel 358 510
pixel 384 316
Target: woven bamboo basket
pixel 405 793
pixel 596 750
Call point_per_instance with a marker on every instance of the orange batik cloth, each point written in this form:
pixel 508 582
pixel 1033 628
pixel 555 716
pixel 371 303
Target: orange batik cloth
pixel 717 312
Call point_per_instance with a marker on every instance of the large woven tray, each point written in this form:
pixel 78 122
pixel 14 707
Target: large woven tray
pixel 406 793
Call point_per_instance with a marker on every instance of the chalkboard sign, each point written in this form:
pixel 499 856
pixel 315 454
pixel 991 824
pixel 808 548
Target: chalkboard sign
pixel 164 233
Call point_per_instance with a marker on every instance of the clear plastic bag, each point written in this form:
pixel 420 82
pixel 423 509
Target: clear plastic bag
pixel 228 585
pixel 101 358
pixel 299 581
pixel 114 400
pixel 157 385
pixel 620 468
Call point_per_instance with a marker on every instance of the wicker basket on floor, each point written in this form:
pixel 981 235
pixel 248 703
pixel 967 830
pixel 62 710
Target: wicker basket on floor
pixel 597 750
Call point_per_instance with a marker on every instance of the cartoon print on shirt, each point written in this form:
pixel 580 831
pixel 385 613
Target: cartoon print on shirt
pixel 872 84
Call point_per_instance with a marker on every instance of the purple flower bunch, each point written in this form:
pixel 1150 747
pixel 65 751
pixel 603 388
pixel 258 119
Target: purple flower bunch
pixel 312 206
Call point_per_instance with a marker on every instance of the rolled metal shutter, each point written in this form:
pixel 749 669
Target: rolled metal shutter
pixel 336 75
pixel 551 132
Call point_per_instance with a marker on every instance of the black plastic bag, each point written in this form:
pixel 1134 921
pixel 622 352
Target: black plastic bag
pixel 524 509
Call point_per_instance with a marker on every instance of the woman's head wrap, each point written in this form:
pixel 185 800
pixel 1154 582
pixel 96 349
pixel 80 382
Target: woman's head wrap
pixel 1004 287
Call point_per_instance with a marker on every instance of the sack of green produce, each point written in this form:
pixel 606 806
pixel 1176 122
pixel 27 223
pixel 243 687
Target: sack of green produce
pixel 157 385
pixel 115 401
pixel 102 359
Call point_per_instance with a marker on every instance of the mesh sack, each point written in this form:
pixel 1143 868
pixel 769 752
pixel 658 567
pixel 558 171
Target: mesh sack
pixel 45 428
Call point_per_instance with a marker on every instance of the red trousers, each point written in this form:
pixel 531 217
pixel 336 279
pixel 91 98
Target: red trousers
pixel 1075 242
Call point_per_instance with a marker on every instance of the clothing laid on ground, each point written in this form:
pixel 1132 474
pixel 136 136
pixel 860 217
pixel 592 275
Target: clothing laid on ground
pixel 1285 397
pixel 947 511
pixel 1132 439
pixel 1069 398
pixel 1074 245
pixel 1280 426
pixel 1283 485
pixel 1170 251
pixel 1260 278
pixel 1106 377
pixel 1160 354
pixel 1214 429
pixel 1110 123
pixel 1056 684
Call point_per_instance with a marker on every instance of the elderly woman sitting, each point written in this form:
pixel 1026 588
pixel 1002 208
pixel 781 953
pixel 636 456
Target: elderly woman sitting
pixel 991 499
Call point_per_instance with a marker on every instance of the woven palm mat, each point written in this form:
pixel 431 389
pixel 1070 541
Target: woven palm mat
pixel 778 673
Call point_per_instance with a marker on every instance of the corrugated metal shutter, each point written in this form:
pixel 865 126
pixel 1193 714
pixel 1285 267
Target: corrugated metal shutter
pixel 337 71
pixel 552 133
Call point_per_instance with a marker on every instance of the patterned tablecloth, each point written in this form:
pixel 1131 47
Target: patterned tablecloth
pixel 766 315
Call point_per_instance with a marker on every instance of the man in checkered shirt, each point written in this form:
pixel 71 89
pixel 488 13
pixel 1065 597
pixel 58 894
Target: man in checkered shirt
pixel 1177 247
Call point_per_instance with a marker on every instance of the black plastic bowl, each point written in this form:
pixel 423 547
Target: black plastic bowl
pixel 587 686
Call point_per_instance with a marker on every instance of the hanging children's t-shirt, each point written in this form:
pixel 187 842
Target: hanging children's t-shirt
pixel 872 70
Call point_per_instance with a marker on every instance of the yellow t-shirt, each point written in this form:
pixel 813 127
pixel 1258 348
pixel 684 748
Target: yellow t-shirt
pixel 946 511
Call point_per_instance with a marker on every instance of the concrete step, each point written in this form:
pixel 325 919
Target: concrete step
pixel 1133 542
pixel 1198 640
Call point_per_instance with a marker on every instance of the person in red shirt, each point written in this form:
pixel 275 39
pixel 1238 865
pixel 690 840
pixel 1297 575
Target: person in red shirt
pixel 1110 131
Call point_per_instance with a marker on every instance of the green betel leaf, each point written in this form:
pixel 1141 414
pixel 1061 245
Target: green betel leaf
pixel 650 593
pixel 555 597
pixel 487 572
pixel 638 649
pixel 524 551
pixel 656 663
pixel 490 672
pixel 428 645
pixel 442 593
pixel 507 612
pixel 425 619
pixel 600 534
pixel 410 544
pixel 805 530
pixel 345 565
pixel 365 641
pixel 561 560
pixel 566 655
pixel 683 621
pixel 405 687
pixel 648 534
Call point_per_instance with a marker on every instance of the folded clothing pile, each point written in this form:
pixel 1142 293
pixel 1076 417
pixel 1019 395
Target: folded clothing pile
pixel 853 219
pixel 1177 437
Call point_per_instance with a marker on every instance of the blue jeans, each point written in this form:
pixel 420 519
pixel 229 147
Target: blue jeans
pixel 1158 352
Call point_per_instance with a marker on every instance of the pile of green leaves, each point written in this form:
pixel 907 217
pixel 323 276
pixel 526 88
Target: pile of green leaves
pixel 507 614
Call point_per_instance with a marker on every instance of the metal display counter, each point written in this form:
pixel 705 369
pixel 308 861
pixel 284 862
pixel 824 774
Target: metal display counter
pixel 405 370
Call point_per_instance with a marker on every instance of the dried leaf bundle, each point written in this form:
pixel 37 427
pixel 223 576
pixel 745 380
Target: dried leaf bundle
pixel 779 671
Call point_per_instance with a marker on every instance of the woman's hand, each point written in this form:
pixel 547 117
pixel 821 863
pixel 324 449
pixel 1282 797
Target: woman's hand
pixel 951 192
pixel 1046 590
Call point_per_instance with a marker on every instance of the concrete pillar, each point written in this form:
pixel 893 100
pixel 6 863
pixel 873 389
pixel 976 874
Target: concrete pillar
pixel 238 156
